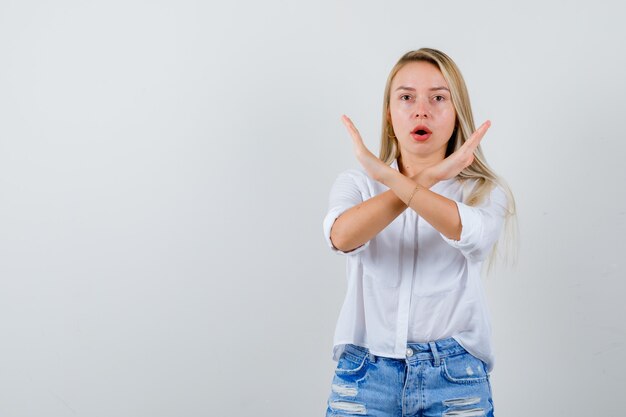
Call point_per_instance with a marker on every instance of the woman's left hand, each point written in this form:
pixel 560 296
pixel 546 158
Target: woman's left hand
pixel 460 159
pixel 374 167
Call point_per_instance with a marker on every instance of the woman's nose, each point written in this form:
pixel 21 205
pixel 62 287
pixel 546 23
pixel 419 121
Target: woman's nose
pixel 421 109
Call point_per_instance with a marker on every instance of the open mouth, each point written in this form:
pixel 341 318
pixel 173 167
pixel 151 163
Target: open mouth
pixel 421 132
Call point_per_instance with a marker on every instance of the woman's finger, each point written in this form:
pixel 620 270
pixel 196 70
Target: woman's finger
pixel 348 123
pixel 477 136
pixel 354 132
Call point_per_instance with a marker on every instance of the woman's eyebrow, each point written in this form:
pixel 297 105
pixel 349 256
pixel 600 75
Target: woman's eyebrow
pixel 430 89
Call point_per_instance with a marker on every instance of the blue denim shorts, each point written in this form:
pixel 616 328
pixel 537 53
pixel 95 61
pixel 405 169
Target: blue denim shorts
pixel 437 378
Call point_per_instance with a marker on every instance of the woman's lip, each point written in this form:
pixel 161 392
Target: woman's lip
pixel 420 138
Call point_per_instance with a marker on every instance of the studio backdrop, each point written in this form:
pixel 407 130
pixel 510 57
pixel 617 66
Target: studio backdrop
pixel 165 168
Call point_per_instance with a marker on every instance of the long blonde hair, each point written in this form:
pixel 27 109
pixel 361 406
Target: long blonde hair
pixel 485 178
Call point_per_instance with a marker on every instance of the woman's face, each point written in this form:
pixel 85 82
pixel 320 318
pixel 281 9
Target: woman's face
pixel 422 114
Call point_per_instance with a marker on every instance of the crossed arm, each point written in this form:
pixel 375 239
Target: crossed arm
pixel 362 222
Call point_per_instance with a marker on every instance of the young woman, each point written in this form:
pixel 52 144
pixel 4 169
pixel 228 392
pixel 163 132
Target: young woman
pixel 413 335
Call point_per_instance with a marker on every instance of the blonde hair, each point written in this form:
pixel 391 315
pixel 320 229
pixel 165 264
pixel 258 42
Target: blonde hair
pixel 485 178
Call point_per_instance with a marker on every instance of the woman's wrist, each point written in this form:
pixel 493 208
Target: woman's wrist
pixel 386 175
pixel 425 179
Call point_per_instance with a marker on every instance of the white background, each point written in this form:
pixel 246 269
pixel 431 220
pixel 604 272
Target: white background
pixel 165 168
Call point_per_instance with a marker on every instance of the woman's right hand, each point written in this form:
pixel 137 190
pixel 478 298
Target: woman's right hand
pixel 451 166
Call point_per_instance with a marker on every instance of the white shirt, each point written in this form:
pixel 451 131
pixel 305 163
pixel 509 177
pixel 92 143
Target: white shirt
pixel 410 283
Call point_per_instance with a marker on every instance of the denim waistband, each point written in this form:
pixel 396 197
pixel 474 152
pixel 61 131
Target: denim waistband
pixel 434 350
pixel 419 351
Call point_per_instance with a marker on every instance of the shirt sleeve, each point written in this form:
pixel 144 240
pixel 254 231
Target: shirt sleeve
pixel 344 194
pixel 481 225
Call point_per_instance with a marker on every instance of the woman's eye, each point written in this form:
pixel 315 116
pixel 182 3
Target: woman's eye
pixel 405 97
pixel 439 98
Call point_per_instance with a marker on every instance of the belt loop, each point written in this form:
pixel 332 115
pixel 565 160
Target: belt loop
pixel 433 348
pixel 372 357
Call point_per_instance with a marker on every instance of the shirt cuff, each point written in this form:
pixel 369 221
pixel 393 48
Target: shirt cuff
pixel 471 229
pixel 329 220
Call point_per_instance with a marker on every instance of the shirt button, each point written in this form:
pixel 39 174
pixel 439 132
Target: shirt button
pixel 409 352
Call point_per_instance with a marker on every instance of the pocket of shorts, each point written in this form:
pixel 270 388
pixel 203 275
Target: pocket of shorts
pixel 464 369
pixel 352 364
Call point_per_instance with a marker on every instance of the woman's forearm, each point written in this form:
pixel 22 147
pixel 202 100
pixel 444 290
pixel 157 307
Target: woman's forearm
pixel 440 212
pixel 362 222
